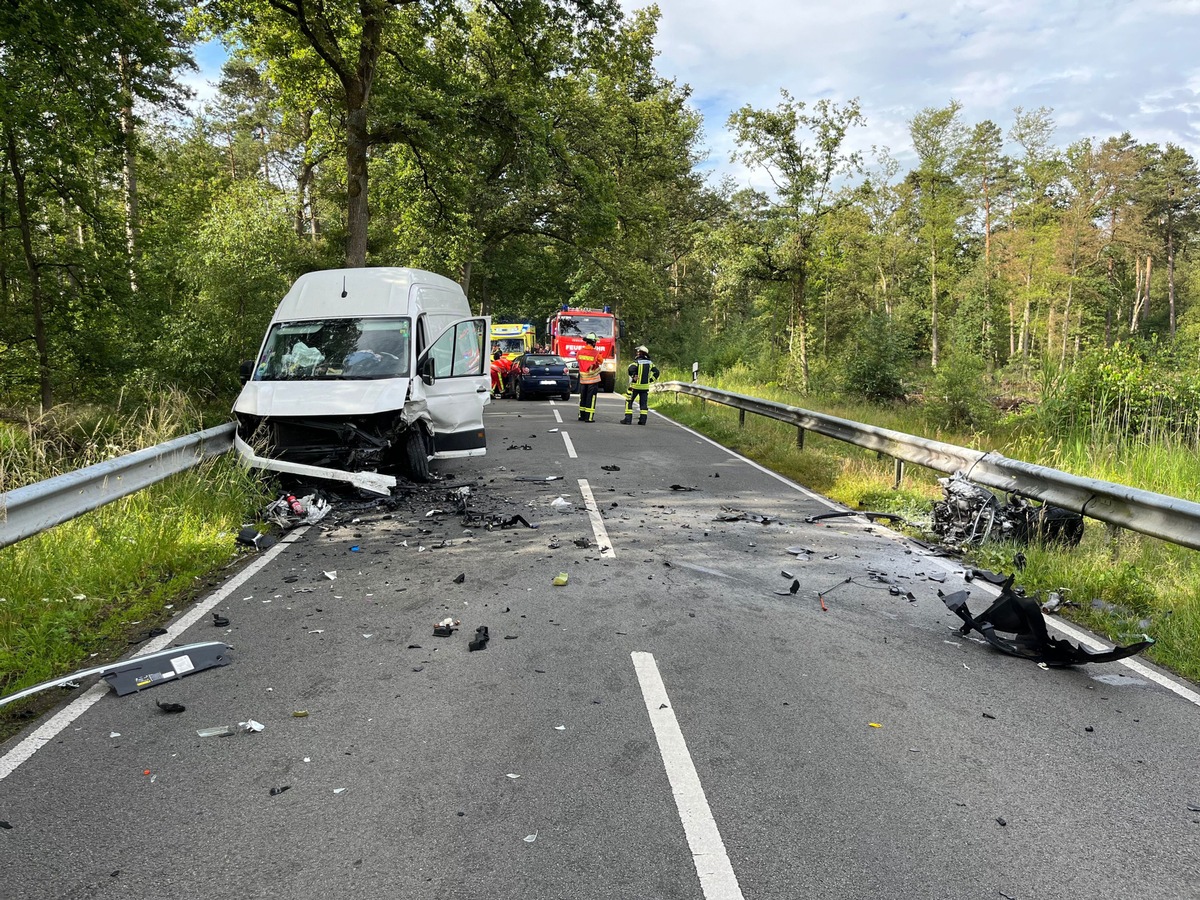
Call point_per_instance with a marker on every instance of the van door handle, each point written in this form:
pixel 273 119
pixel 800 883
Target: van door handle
pixel 481 390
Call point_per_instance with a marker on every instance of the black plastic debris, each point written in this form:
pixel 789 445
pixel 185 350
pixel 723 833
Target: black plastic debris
pixel 611 468
pixel 791 591
pixel 984 575
pixel 460 578
pixel 7 826
pixel 147 634
pixel 728 514
pixel 582 543
pixel 170 707
pixel 220 621
pixel 480 640
pixel 490 522
pixel 520 447
pixel 1012 613
pixel 683 487
pixel 250 536
pixel 891 517
pixel 276 791
pixel 970 514
pixel 445 628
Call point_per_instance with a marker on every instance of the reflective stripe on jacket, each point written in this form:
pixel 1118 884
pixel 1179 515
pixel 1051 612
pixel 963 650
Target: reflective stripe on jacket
pixel 589 364
pixel 642 373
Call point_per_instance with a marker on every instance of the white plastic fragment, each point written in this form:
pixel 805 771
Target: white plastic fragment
pixel 530 838
pixel 338 790
pixel 250 725
pixel 511 775
pixel 114 734
pixel 332 576
pixel 560 727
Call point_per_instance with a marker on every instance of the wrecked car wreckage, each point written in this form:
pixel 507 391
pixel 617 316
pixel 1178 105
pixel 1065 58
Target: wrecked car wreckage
pixel 970 514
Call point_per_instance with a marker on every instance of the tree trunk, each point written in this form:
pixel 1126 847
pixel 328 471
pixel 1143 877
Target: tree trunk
pixel 129 169
pixel 800 331
pixel 933 308
pixel 1136 314
pixel 1171 279
pixel 1146 305
pixel 25 226
pixel 356 186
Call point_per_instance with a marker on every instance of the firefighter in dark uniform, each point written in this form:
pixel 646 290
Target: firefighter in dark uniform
pixel 589 378
pixel 642 373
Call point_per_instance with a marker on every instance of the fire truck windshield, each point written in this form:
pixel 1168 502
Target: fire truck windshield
pixel 578 326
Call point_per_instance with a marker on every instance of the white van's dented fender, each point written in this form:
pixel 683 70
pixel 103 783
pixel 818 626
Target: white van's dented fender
pixel 367 481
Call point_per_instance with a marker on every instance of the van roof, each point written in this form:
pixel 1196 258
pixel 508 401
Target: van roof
pixel 370 291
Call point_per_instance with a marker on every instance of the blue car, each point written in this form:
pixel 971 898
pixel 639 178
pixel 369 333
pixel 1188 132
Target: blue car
pixel 540 374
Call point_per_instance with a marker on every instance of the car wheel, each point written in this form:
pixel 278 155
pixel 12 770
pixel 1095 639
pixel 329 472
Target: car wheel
pixel 565 398
pixel 416 455
pixel 517 392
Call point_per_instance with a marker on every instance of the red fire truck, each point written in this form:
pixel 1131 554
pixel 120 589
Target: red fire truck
pixel 566 329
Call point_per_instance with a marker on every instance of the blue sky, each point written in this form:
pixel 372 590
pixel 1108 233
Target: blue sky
pixel 1103 66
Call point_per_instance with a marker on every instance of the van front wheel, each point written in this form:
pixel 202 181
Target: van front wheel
pixel 416 455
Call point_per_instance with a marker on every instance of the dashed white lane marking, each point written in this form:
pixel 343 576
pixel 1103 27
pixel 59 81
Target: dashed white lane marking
pixel 1059 625
pixel 570 447
pixel 602 538
pixel 46 732
pixel 717 880
pixel 557 417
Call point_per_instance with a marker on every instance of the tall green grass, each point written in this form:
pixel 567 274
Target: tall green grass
pixel 1154 586
pixel 78 593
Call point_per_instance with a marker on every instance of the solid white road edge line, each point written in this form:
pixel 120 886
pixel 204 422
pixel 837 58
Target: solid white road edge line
pixel 602 538
pixel 570 447
pixel 717 879
pixel 46 732
pixel 792 484
pixel 1093 643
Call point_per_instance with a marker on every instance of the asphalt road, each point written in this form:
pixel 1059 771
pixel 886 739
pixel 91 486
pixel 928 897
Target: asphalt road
pixel 665 725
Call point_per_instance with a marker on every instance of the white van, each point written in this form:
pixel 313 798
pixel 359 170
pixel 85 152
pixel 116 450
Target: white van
pixel 362 370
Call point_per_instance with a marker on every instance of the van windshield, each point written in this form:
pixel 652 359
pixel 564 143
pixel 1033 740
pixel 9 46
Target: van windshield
pixel 580 326
pixel 336 349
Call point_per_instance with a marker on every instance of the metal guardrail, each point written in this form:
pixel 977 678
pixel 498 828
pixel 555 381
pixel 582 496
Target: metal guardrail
pixel 1157 515
pixel 36 507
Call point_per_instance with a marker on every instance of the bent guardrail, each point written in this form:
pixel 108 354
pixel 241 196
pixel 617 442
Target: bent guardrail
pixel 1156 515
pixel 31 509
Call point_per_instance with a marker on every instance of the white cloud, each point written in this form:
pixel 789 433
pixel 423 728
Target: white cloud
pixel 1103 66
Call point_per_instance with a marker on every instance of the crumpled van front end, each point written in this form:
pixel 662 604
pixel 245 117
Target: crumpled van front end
pixel 335 391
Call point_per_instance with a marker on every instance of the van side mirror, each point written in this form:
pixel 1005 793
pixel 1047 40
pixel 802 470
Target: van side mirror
pixel 245 370
pixel 425 370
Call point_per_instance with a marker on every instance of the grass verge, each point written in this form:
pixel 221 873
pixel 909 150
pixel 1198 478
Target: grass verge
pixel 77 595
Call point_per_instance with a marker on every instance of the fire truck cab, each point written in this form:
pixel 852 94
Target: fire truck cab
pixel 565 330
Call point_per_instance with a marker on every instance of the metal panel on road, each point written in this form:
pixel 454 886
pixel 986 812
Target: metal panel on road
pixel 847 742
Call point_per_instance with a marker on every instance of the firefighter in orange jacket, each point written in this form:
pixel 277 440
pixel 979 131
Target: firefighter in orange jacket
pixel 589 378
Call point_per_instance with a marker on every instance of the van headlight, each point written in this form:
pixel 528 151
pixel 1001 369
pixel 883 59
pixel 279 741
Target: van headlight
pixel 608 365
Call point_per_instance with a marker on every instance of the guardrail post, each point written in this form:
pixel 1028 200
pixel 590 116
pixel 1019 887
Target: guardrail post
pixel 899 474
pixel 741 418
pixel 799 438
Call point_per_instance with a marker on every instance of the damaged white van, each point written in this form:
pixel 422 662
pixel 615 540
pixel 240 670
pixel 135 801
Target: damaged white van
pixel 363 371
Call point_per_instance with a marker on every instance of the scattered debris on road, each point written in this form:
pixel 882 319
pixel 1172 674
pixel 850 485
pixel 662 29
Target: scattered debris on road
pixel 480 640
pixel 170 707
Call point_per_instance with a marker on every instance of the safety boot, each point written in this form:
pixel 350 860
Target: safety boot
pixel 628 420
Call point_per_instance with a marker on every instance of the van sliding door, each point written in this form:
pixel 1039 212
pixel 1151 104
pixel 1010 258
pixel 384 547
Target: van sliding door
pixel 461 388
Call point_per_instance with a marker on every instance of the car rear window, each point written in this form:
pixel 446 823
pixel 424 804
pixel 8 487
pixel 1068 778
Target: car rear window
pixel 545 361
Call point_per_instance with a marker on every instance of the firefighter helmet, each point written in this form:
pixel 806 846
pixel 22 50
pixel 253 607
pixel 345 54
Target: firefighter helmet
pixel 591 337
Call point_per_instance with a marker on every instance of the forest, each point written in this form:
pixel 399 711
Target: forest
pixel 531 150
